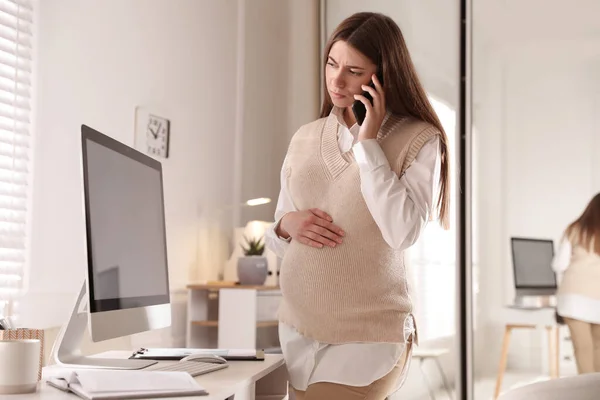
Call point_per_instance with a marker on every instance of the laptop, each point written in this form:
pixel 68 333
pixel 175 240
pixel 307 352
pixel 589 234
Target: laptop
pixel 534 278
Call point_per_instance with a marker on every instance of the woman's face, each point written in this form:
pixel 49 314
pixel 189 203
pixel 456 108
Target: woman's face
pixel 347 69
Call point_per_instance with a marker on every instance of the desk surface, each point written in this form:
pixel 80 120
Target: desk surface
pixel 219 384
pixel 535 316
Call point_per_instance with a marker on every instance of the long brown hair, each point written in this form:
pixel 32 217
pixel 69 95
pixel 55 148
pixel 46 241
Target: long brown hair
pixel 585 230
pixel 379 38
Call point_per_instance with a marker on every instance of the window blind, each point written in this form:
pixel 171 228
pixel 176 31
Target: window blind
pixel 432 259
pixel 16 48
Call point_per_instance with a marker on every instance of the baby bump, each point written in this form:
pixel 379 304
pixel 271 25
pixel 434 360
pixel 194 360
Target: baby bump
pixel 317 278
pixel 304 273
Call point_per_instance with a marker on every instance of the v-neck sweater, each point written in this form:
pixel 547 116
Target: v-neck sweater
pixel 357 291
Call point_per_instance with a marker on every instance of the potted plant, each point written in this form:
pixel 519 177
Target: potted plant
pixel 253 267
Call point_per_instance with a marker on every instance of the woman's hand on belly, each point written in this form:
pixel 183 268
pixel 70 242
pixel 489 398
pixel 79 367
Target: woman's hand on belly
pixel 312 227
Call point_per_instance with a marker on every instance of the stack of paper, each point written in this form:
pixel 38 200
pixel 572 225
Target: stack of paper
pixel 125 384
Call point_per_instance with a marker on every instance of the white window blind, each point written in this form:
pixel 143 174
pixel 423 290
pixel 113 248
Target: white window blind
pixel 432 259
pixel 16 40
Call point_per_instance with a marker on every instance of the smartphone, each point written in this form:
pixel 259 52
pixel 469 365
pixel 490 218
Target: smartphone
pixel 359 109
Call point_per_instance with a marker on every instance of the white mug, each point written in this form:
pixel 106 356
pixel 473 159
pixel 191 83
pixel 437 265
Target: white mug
pixel 19 365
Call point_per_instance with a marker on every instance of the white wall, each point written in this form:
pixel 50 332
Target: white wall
pixel 488 79
pixel 280 92
pixel 536 126
pixel 97 61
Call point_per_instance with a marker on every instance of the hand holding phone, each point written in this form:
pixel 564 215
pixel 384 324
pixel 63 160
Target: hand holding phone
pixel 369 109
pixel 359 109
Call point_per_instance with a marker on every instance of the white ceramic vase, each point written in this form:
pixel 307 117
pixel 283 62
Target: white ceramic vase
pixel 252 270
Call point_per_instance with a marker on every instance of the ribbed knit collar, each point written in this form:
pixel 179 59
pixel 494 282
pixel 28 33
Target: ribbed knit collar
pixel 335 162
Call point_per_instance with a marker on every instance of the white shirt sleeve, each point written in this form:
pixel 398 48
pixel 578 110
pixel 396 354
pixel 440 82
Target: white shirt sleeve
pixel 563 257
pixel 284 205
pixel 400 207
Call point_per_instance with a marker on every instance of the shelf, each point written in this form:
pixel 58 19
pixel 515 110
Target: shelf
pixel 214 324
pixel 266 324
pixel 232 318
pixel 206 323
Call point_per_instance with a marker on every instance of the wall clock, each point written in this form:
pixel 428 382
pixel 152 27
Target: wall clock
pixel 157 136
pixel 152 131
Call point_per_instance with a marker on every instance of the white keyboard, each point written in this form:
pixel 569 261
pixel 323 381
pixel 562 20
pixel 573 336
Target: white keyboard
pixel 194 368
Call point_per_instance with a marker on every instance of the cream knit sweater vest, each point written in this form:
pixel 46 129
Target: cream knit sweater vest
pixel 582 277
pixel 357 291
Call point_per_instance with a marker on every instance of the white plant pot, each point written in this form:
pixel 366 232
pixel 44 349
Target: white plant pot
pixel 252 270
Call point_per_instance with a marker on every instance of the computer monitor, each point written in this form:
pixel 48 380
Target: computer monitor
pixel 127 285
pixel 532 266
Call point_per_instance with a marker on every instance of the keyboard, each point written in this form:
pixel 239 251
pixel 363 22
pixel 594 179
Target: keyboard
pixel 194 368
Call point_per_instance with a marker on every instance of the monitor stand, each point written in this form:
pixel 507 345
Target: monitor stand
pixel 67 352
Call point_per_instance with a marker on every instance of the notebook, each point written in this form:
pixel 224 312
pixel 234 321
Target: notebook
pixel 125 384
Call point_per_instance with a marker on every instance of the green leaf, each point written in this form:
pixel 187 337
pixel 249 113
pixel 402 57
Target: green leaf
pixel 255 247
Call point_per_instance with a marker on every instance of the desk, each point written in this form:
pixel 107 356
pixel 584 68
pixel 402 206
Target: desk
pixel 243 380
pixel 529 318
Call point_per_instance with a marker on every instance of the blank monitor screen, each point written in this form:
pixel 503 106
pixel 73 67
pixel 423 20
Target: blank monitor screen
pixel 532 263
pixel 127 257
